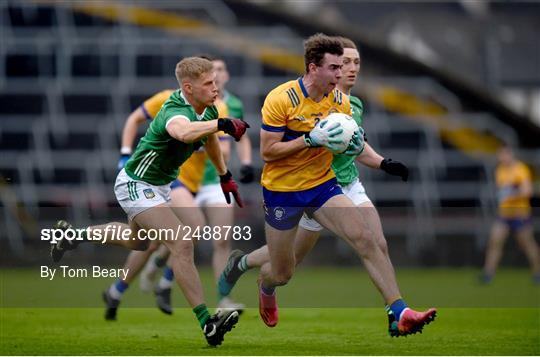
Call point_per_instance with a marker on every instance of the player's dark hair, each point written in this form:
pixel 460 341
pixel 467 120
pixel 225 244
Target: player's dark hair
pixel 317 45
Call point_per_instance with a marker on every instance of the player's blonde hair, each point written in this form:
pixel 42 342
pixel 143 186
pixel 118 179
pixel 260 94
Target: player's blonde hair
pixel 192 68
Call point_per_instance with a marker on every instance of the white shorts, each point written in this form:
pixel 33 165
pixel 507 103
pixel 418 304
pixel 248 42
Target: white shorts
pixel 210 195
pixel 355 191
pixel 137 196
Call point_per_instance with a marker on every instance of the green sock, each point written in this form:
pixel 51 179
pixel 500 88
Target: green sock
pixel 160 262
pixel 201 311
pixel 242 264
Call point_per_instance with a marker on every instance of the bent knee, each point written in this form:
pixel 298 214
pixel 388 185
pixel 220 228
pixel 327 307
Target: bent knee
pixel 283 277
pixel 181 248
pixel 364 242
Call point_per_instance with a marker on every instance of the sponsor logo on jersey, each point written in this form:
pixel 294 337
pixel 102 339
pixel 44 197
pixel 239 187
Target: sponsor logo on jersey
pixel 279 212
pixel 149 193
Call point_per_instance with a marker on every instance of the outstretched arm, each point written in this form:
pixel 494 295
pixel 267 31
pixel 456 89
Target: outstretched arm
pixel 184 130
pixel 371 158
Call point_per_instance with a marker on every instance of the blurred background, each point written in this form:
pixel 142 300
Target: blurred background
pixel 443 83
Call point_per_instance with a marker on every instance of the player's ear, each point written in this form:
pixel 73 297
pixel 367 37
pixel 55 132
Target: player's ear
pixel 312 67
pixel 187 87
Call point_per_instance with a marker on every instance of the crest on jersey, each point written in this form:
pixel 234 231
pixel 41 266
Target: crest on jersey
pixel 149 193
pixel 279 212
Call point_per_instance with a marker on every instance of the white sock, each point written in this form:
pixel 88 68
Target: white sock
pixel 114 292
pixel 164 283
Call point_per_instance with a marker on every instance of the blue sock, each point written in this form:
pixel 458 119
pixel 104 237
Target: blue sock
pixel 168 273
pixel 121 285
pixel 397 308
pixel 267 291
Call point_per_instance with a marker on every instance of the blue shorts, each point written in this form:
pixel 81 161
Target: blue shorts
pixel 517 223
pixel 283 210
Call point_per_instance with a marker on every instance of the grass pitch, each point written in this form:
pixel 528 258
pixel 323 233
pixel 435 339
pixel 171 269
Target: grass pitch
pixel 474 320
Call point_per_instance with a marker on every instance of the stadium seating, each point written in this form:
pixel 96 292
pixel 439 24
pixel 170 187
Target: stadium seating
pixel 63 104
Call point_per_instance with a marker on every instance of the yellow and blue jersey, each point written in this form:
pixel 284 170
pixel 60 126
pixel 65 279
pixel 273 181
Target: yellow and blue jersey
pixel 288 109
pixel 508 180
pixel 152 105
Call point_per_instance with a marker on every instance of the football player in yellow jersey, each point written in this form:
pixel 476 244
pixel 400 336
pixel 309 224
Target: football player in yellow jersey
pixel 347 176
pixel 186 200
pixel 297 178
pixel 514 185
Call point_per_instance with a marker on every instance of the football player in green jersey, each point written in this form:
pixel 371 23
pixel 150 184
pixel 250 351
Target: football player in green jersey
pixel 347 177
pixel 187 120
pixel 197 187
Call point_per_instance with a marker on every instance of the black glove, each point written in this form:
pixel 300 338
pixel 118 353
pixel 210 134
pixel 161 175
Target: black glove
pixel 228 185
pixel 395 168
pixel 234 127
pixel 247 174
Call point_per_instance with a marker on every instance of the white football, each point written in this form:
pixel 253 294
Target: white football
pixel 349 126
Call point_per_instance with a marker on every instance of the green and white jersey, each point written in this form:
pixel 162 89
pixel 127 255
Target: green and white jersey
pixel 158 155
pixel 234 105
pixel 343 165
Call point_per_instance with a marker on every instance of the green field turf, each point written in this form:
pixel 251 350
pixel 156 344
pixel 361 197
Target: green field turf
pixel 510 324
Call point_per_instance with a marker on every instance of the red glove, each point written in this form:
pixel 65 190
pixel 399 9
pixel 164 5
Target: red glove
pixel 234 127
pixel 228 185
